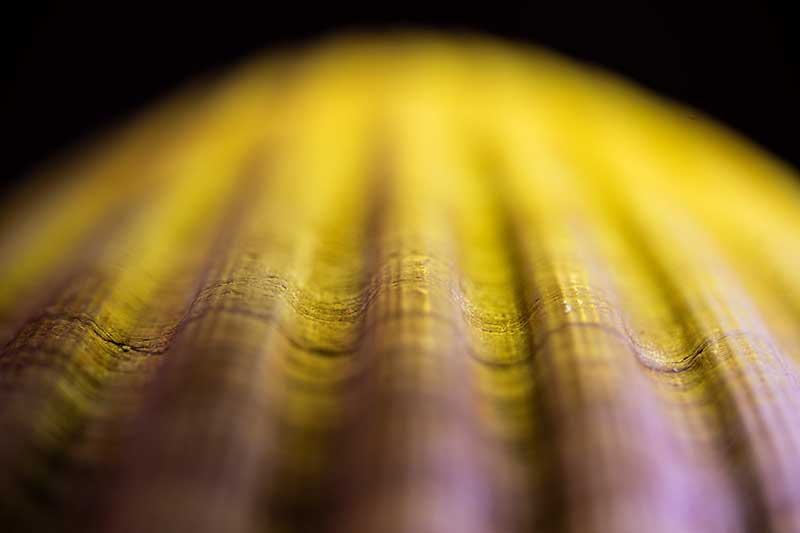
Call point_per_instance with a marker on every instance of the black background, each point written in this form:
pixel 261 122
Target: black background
pixel 72 69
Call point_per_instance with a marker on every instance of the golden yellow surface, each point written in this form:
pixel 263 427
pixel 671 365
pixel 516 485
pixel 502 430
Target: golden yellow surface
pixel 404 284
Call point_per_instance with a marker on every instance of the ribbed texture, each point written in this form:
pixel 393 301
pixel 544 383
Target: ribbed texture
pixel 404 285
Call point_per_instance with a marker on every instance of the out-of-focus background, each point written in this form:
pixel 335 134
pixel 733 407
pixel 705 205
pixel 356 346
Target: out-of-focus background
pixel 72 69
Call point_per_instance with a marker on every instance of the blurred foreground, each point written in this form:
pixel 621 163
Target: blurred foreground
pixel 404 285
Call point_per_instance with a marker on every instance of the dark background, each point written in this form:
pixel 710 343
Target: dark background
pixel 72 69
